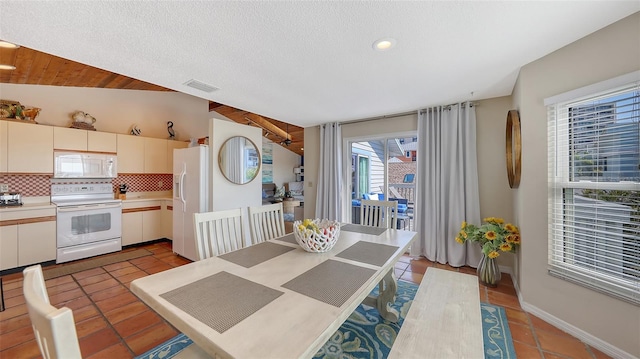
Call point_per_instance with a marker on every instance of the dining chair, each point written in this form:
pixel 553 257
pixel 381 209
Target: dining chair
pixel 266 222
pixel 54 329
pixel 378 213
pixel 218 232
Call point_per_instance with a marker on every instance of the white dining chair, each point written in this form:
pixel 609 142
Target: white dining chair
pixel 378 213
pixel 218 232
pixel 54 329
pixel 266 222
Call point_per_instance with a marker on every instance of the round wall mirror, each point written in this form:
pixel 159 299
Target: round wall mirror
pixel 239 160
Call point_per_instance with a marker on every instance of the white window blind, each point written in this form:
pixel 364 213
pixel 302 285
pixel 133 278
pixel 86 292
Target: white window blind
pixel 594 184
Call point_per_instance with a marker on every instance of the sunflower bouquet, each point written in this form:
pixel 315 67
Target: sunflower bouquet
pixel 493 236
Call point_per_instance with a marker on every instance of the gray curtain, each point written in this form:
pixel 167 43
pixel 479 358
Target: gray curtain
pixel 329 194
pixel 447 184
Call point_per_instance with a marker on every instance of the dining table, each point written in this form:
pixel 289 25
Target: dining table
pixel 274 299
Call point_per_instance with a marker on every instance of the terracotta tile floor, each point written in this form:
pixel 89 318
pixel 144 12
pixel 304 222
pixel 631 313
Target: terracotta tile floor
pixel 112 323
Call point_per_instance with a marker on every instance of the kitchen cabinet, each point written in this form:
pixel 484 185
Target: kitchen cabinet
pixel 155 155
pixel 130 154
pixel 102 142
pixel 152 225
pixel 3 146
pixel 8 247
pixel 27 236
pixel 131 228
pixel 36 242
pixel 29 148
pixel 71 139
pixel 167 219
pixel 142 221
pixel 172 145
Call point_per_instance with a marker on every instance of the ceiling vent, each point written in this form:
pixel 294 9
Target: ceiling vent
pixel 200 86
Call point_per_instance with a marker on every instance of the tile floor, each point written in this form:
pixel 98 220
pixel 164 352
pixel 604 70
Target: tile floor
pixel 112 323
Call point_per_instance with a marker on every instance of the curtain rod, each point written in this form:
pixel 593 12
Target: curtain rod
pixel 471 104
pixel 378 117
pixel 448 107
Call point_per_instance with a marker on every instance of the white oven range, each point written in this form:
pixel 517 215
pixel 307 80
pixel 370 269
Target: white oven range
pixel 89 220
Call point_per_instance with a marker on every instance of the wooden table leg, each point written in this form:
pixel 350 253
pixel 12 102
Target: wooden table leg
pixel 386 296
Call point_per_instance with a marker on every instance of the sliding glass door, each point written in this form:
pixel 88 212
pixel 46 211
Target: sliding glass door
pixel 381 169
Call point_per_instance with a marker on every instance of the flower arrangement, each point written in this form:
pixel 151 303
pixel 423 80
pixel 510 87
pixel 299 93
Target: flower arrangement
pixel 493 236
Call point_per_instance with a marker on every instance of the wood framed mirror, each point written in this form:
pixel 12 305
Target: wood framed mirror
pixel 513 148
pixel 239 160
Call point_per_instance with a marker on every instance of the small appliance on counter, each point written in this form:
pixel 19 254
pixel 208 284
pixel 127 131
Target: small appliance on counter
pixel 10 199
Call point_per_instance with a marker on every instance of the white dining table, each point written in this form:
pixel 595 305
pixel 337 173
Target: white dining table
pixel 273 299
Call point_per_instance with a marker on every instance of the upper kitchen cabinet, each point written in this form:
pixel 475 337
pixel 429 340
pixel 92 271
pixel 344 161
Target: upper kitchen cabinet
pixel 155 155
pixel 3 146
pixel 172 145
pixel 72 139
pixel 130 154
pixel 29 148
pixel 102 142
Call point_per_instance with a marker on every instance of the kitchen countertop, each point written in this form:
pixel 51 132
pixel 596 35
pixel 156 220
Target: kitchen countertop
pixel 28 207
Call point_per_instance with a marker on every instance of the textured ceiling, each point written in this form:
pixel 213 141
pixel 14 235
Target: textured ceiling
pixel 312 62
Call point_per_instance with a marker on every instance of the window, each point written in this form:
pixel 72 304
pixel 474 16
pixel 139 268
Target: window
pixel 594 181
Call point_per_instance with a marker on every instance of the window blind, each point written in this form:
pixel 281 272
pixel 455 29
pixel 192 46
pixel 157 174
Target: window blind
pixel 594 184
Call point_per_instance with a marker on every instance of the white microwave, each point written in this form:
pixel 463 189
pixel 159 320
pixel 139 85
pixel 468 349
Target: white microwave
pixel 85 165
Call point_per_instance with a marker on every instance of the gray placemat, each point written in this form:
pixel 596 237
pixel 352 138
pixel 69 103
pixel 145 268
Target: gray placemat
pixel 256 254
pixel 358 228
pixel 331 282
pixel 366 252
pixel 221 300
pixel 288 238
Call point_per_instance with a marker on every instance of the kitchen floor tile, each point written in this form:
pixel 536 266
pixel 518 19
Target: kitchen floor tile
pixel 118 350
pixel 98 341
pixel 150 337
pixel 135 324
pixel 562 344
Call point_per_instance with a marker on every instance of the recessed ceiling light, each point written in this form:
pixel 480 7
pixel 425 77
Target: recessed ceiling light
pixel 8 45
pixel 7 67
pixel 384 44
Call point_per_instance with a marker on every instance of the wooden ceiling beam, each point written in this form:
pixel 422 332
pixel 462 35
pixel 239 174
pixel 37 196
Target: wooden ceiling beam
pixel 268 126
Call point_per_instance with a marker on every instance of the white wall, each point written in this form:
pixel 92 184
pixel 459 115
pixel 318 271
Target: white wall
pixel 607 323
pixel 496 197
pixel 116 110
pixel 283 163
pixel 225 194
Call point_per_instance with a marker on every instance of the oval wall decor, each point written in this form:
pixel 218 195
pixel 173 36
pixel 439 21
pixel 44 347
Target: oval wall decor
pixel 513 148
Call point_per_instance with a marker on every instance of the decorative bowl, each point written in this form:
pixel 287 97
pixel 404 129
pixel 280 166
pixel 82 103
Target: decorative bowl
pixel 316 236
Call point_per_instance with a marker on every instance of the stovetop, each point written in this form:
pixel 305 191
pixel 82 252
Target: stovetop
pixel 10 203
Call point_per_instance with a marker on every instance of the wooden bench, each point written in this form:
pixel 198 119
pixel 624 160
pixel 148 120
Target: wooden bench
pixel 444 320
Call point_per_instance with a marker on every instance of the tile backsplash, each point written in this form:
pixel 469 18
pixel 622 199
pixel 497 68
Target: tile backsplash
pixel 40 185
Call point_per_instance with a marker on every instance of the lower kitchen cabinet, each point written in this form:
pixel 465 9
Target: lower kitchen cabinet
pixel 8 247
pixel 27 237
pixel 131 228
pixel 36 242
pixel 167 219
pixel 142 221
pixel 152 225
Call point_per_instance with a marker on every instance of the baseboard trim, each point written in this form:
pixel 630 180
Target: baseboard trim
pixel 592 340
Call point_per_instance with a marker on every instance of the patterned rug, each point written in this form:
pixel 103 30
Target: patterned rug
pixel 366 335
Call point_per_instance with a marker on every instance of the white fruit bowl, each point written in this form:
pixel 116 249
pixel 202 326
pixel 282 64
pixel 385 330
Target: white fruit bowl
pixel 316 236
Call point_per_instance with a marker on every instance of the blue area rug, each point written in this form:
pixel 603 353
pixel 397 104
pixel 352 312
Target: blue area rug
pixel 366 335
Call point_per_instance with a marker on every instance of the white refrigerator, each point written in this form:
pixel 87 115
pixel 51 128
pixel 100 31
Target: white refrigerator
pixel 190 195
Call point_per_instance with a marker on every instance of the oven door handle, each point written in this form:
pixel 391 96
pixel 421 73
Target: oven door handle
pixel 88 206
